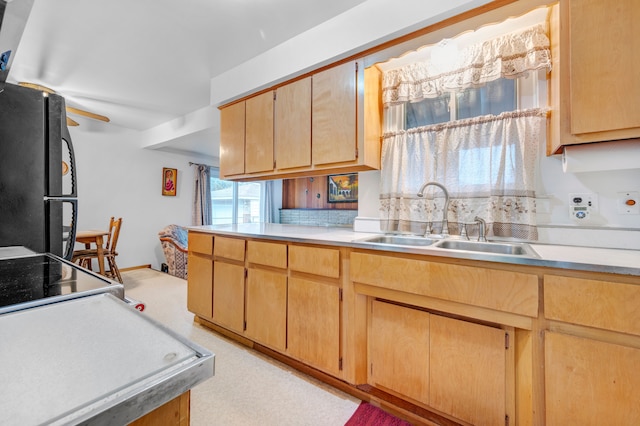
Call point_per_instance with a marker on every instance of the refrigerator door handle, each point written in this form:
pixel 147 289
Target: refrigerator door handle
pixel 71 236
pixel 66 136
pixel 57 222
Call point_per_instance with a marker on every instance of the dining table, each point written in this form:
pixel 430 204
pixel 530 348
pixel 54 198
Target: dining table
pixel 94 236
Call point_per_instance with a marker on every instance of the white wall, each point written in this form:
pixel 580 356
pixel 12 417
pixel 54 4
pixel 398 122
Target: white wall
pixel 117 177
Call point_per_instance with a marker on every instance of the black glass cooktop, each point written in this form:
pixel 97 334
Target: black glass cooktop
pixel 44 278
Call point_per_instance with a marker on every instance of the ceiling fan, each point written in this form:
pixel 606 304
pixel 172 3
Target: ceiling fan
pixel 71 110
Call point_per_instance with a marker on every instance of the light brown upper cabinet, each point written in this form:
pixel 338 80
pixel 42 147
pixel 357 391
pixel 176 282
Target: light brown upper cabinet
pixel 259 133
pixel 293 125
pixel 595 89
pixel 333 116
pixel 232 133
pixel 327 122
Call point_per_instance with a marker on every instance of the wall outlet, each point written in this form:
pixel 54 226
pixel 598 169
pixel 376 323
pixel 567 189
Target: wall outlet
pixel 628 202
pixel 582 205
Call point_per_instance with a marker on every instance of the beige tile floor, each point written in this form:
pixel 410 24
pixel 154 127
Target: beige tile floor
pixel 248 388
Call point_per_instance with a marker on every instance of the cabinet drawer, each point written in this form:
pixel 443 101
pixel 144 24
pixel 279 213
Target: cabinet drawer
pixel 229 248
pixel 313 260
pixel 602 304
pixel 395 273
pixel 200 243
pixel 268 254
pixel 505 291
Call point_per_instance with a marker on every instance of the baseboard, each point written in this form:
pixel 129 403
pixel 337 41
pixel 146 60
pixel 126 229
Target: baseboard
pixel 133 268
pixel 224 332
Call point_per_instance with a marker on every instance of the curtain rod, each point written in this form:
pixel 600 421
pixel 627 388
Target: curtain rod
pixel 200 164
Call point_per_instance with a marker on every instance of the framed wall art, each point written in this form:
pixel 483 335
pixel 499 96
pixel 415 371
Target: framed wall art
pixel 342 188
pixel 169 181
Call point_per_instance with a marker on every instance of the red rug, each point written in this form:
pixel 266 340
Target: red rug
pixel 368 415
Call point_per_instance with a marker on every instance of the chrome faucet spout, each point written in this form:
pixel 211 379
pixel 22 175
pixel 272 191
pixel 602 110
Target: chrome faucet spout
pixel 481 228
pixel 445 222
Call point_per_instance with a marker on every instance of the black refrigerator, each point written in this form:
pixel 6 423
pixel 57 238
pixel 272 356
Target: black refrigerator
pixel 38 195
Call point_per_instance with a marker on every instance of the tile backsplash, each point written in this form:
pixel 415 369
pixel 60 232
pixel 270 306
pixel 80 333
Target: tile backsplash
pixel 317 217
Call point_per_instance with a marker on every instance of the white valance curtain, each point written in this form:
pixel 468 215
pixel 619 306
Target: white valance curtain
pixel 487 163
pixel 509 56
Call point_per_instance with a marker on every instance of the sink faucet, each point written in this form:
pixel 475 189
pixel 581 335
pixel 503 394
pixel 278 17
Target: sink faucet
pixel 481 228
pixel 445 223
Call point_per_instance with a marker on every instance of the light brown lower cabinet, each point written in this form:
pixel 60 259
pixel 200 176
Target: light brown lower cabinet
pixel 464 340
pixel 468 370
pixel 266 308
pixel 200 285
pixel 454 366
pixel 314 324
pixel 589 382
pixel 174 413
pixel 399 350
pixel 228 296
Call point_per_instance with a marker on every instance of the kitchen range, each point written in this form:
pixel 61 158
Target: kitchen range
pixel 75 352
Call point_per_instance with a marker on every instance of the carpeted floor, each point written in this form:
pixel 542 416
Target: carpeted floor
pixel 247 388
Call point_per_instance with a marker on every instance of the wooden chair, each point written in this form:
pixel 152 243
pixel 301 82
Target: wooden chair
pixel 84 257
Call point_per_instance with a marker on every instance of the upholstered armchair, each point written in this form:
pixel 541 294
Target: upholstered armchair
pixel 174 244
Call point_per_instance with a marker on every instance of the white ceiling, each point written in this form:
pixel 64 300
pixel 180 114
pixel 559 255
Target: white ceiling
pixel 146 62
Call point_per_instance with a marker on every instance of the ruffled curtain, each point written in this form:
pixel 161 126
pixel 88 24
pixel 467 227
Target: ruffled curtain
pixel 508 56
pixel 486 163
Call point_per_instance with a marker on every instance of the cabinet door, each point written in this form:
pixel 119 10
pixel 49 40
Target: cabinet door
pixel 605 88
pixel 293 125
pixel 314 324
pixel 589 382
pixel 334 115
pixel 468 371
pixel 228 295
pixel 595 91
pixel 266 309
pixel 399 350
pixel 259 133
pixel 232 119
pixel 200 286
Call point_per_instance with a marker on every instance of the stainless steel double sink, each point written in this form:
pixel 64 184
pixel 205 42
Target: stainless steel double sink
pixel 493 247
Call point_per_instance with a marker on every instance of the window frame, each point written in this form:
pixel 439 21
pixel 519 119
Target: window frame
pixel 235 201
pixel 529 93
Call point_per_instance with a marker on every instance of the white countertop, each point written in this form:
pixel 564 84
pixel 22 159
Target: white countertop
pixel 618 261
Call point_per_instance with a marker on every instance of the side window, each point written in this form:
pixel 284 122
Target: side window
pixel 233 202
